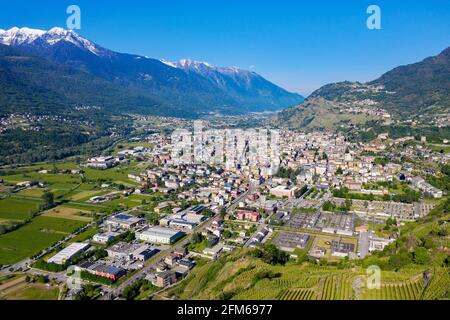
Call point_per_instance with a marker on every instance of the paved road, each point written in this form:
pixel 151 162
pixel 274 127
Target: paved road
pixel 262 223
pixel 260 227
pixel 363 244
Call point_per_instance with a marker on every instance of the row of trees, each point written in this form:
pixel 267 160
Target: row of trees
pixel 441 181
pixel 408 196
pixel 138 287
pixel 288 173
pixel 270 254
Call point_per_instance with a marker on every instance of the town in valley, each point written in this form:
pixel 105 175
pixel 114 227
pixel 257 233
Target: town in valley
pixel 134 222
pixel 219 158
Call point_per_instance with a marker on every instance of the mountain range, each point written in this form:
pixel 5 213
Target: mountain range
pixel 47 74
pixel 419 89
pixel 83 72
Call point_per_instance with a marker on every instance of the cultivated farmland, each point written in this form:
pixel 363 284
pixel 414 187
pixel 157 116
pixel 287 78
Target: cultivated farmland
pixel 35 236
pixel 17 208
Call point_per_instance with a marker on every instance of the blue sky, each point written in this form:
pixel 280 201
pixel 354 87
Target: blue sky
pixel 300 45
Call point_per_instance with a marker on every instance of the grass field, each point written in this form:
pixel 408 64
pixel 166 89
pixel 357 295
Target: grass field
pixel 63 179
pixel 324 242
pixel 59 184
pixel 130 145
pixel 88 186
pixel 33 192
pixel 85 235
pixel 85 195
pixel 35 291
pixel 436 148
pixel 37 235
pixel 58 188
pixel 66 165
pixel 58 225
pixel 130 202
pixel 83 206
pixel 116 175
pixel 17 288
pixel 84 191
pixel 17 208
pixel 5 221
pixel 67 213
pixel 63 186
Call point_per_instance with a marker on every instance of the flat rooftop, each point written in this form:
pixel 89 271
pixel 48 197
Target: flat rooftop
pixel 162 232
pixel 69 251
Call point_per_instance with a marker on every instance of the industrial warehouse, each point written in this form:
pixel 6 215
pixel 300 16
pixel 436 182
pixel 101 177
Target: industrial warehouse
pixel 64 255
pixel 159 235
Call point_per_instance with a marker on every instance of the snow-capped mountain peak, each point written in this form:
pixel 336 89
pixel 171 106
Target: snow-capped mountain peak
pixel 56 35
pixel 188 63
pixel 169 63
pixel 26 36
pixel 16 36
pixel 220 76
pixel 58 30
pixel 182 88
pixel 193 65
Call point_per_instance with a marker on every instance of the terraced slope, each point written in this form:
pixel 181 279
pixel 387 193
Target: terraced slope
pixel 235 277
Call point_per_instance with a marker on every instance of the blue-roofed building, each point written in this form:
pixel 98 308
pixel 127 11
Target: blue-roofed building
pixel 123 216
pixel 186 264
pixel 124 221
pixel 197 209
